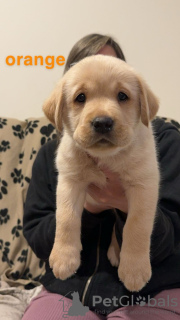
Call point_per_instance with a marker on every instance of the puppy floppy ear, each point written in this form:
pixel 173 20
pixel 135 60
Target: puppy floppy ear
pixel 149 103
pixel 53 107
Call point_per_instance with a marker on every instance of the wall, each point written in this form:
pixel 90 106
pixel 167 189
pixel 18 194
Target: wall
pixel 147 30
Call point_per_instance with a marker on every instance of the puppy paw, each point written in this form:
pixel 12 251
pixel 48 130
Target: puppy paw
pixel 65 261
pixel 133 272
pixel 113 255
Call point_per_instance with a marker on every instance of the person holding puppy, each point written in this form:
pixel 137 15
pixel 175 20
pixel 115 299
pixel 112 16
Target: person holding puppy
pixel 96 281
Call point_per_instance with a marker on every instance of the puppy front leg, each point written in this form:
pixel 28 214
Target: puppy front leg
pixel 65 255
pixel 135 269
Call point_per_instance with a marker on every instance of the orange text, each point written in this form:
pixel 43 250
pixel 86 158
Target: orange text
pixel 49 61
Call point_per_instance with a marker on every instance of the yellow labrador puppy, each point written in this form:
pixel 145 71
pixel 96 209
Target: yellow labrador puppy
pixel 105 109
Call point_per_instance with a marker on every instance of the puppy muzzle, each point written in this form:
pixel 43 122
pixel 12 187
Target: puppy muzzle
pixel 102 125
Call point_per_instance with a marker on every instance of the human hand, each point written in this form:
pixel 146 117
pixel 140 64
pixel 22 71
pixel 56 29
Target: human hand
pixel 109 197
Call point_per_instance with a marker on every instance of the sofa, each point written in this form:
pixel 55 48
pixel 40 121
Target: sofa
pixel 20 269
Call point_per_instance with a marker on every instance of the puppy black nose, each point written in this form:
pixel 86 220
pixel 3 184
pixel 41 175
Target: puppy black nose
pixel 102 124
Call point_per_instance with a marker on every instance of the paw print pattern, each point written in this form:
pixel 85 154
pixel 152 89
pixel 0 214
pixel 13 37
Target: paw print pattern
pixel 18 131
pixel 3 188
pixel 141 301
pixel 16 229
pixel 4 217
pixel 3 122
pixel 27 179
pixel 47 131
pixel 23 256
pixel 33 152
pixel 5 145
pixel 31 126
pixel 15 275
pixel 27 274
pixel 21 156
pixel 5 247
pixel 17 175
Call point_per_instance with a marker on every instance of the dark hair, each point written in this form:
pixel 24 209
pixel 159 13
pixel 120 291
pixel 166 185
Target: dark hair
pixel 90 45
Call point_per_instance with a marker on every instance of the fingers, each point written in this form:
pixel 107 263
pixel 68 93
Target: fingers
pixel 92 188
pixel 110 175
pixel 95 192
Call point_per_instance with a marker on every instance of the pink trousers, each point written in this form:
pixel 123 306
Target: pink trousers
pixel 52 306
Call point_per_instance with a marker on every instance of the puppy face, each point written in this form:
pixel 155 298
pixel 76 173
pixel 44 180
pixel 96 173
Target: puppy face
pixel 100 101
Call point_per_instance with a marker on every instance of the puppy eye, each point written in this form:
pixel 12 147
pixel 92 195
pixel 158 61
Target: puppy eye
pixel 81 98
pixel 122 96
